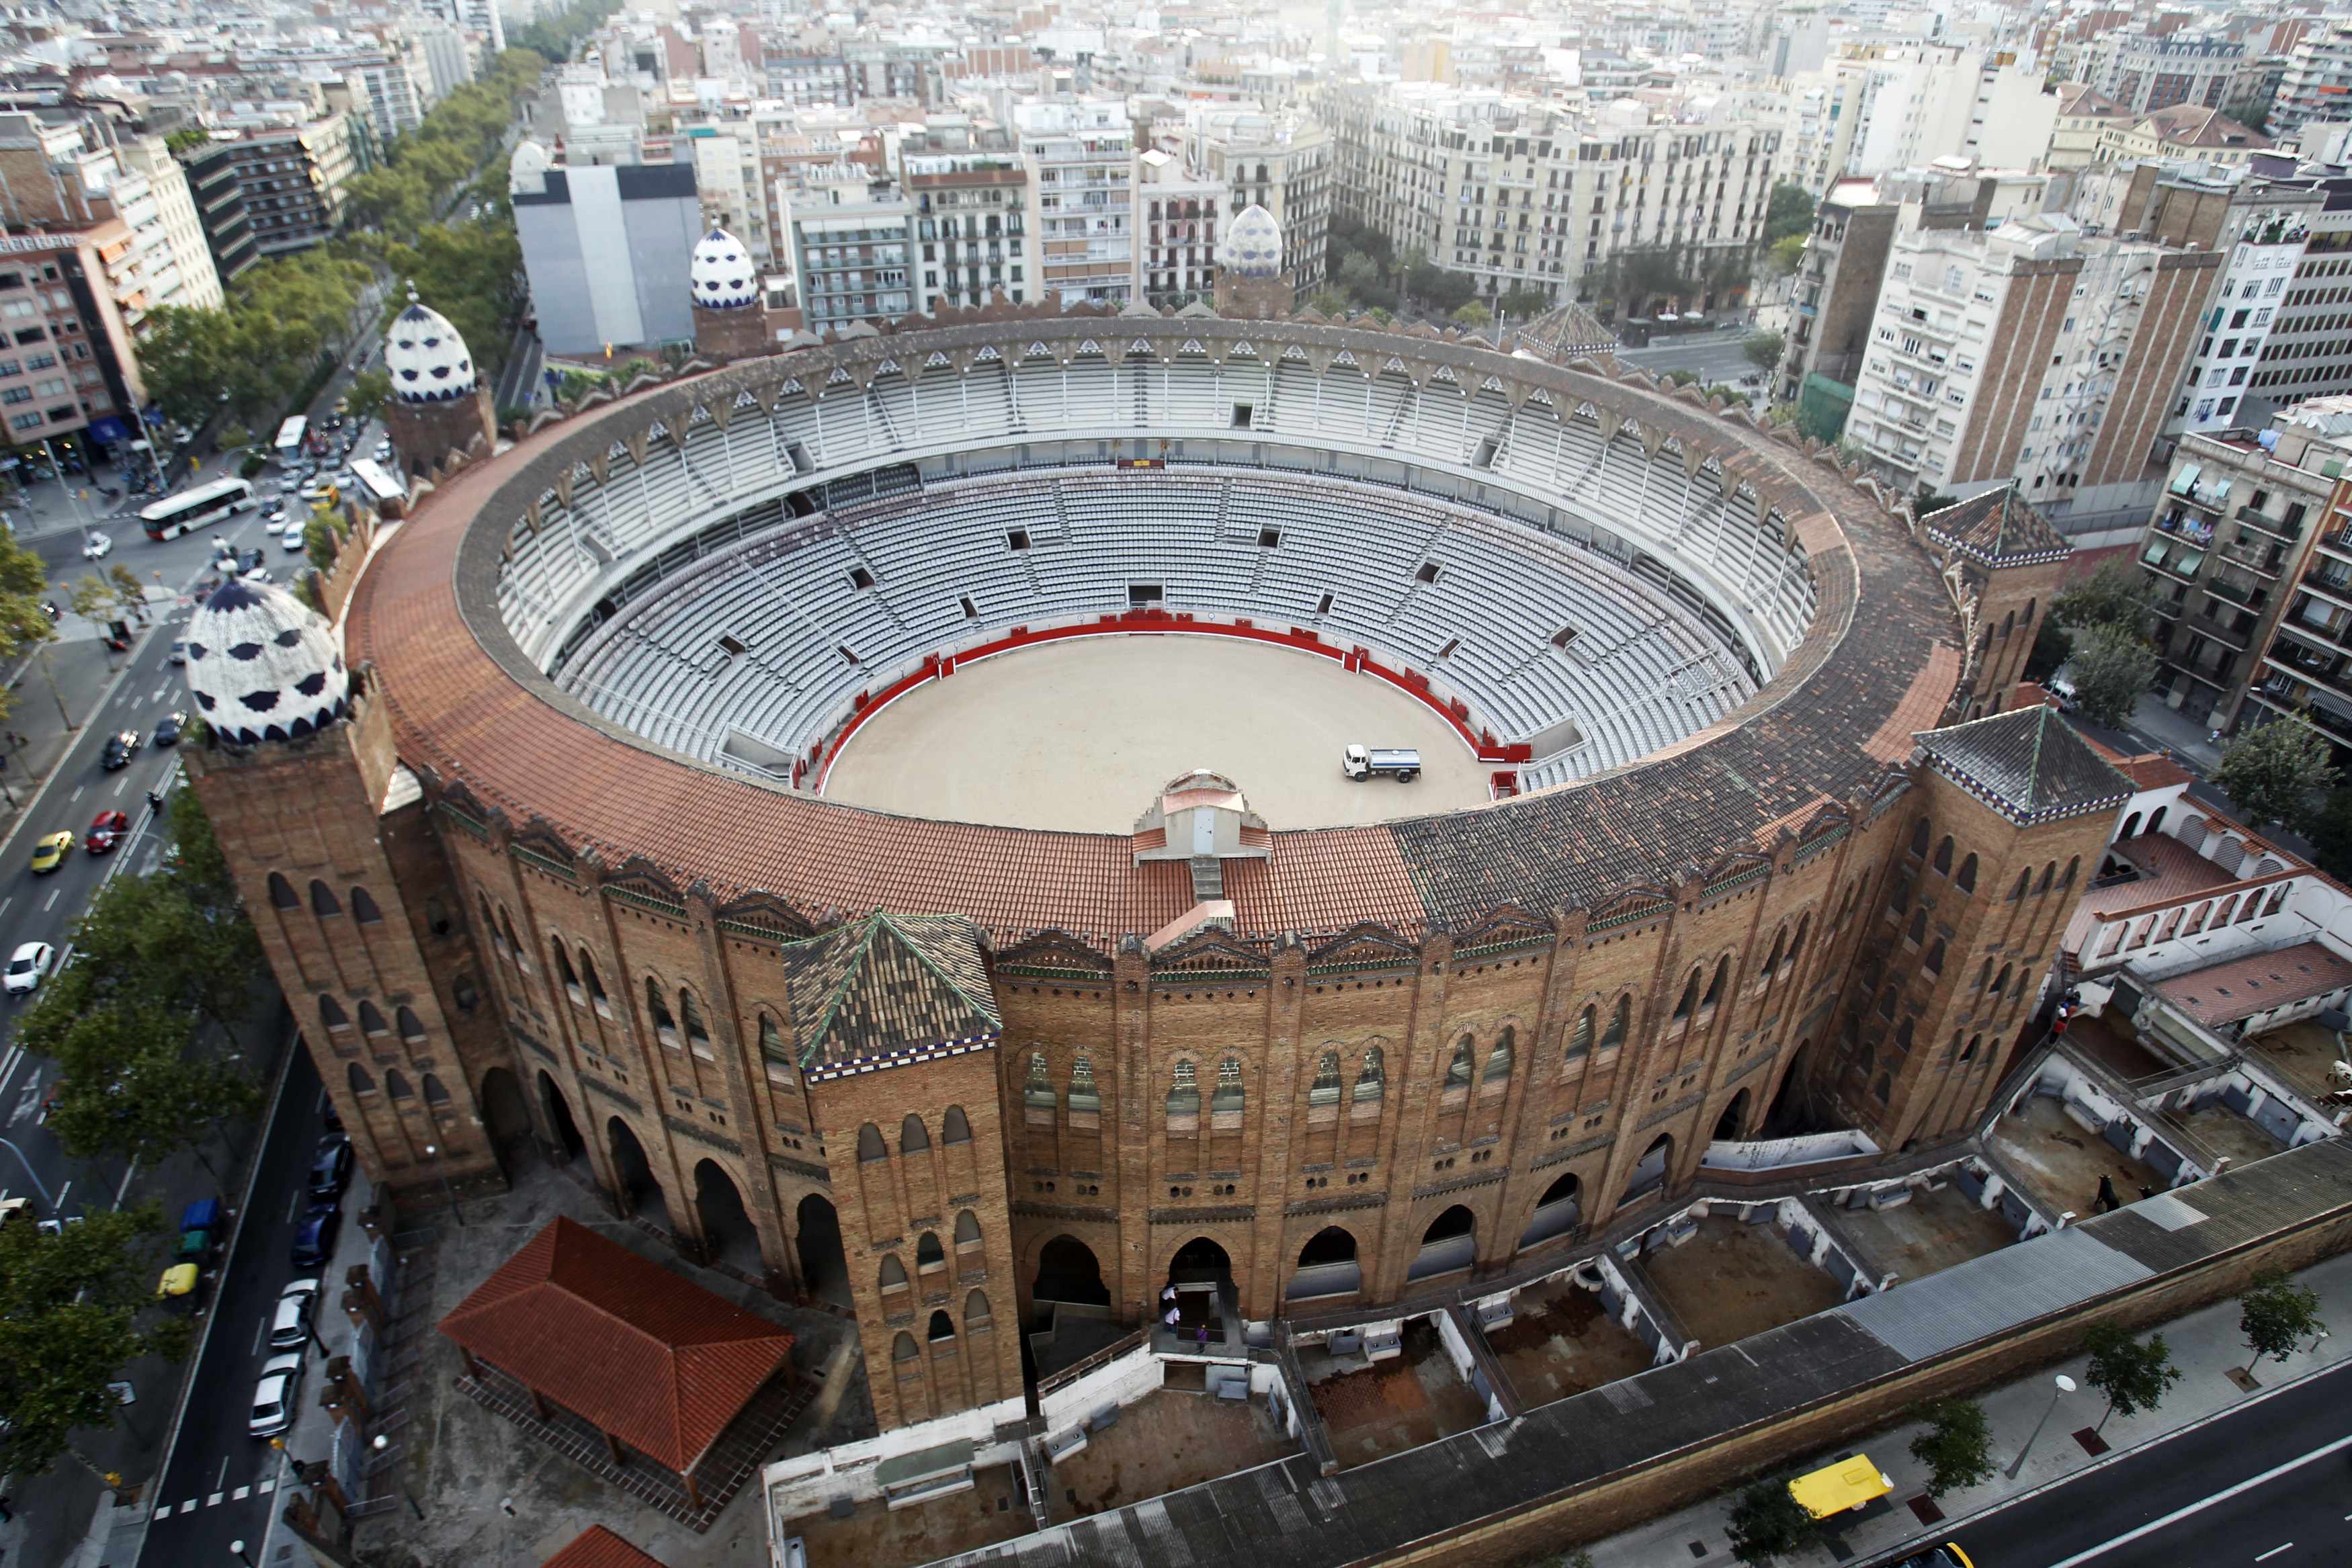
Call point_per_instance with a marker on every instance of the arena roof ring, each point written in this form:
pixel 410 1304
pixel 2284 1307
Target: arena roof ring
pixel 1706 636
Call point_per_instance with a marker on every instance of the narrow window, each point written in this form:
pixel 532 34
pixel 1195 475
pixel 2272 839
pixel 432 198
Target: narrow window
pixel 322 899
pixel 364 909
pixel 281 893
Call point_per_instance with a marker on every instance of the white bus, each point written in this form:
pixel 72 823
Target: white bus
pixel 289 444
pixel 199 507
pixel 377 483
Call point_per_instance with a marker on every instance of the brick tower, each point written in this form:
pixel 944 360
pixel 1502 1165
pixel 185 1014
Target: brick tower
pixel 345 884
pixel 1251 284
pixel 438 405
pixel 730 313
pixel 2008 552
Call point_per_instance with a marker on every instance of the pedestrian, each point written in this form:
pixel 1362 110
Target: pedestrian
pixel 1169 1317
pixel 2107 1200
pixel 1200 1335
pixel 154 801
pixel 1168 1293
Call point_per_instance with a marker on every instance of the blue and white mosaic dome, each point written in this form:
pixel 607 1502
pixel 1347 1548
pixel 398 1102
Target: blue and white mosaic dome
pixel 426 359
pixel 1253 244
pixel 722 272
pixel 262 666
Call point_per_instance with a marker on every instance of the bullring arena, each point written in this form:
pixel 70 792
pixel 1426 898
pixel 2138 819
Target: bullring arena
pixel 888 793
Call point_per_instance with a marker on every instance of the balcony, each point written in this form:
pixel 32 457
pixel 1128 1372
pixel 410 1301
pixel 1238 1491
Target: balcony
pixel 2224 632
pixel 2236 592
pixel 2197 530
pixel 2281 696
pixel 2268 559
pixel 2178 562
pixel 2286 530
pixel 2338 543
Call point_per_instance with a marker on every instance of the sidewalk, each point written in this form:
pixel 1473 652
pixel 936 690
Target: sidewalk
pixel 77 669
pixel 2206 1346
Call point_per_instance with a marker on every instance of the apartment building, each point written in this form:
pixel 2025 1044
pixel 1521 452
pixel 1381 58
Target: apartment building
pixel 2184 132
pixel 219 199
pixel 973 221
pixel 68 367
pixel 2030 354
pixel 1525 195
pixel 1080 160
pixel 1283 162
pixel 2079 128
pixel 1178 215
pixel 2308 351
pixel 150 175
pixel 730 180
pixel 449 59
pixel 67 169
pixel 854 250
pixel 293 179
pixel 2142 71
pixel 2317 81
pixel 2228 542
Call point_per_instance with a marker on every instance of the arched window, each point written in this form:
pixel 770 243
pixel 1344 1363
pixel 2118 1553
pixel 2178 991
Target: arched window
pixel 869 1144
pixel 370 1020
pixel 1919 932
pixel 1715 987
pixel 778 1055
pixel 565 973
pixel 1325 1090
pixel 1886 999
pixel 955 1127
pixel 1184 1098
pixel 903 1348
pixel 1579 1039
pixel 1772 960
pixel 1984 976
pixel 697 1036
pixel 1903 1035
pixel 1898 894
pixel 1458 1071
pixel 942 1328
pixel 1688 999
pixel 1920 833
pixel 364 909
pixel 281 893
pixel 1968 1051
pixel 1086 1100
pixel 928 1253
pixel 434 1093
pixel 412 1028
pixel 912 1139
pixel 514 947
pixel 2072 866
pixel 489 921
pixel 322 899
pixel 664 1027
pixel 1370 1080
pixel 596 986
pixel 1621 1020
pixel 893 1276
pixel 2131 826
pixel 1933 962
pixel 362 1081
pixel 2049 875
pixel 2023 879
pixel 1966 880
pixel 1797 947
pixel 975 1312
pixel 395 1083
pixel 331 1014
pixel 1498 1059
pixel 2001 985
pixel 1226 1099
pixel 1944 855
pixel 1037 1089
pixel 966 1229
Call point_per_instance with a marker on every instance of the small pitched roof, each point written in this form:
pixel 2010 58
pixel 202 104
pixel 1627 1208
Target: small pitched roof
pixel 597 1547
pixel 892 988
pixel 654 1360
pixel 2079 97
pixel 2027 764
pixel 1998 528
pixel 2194 125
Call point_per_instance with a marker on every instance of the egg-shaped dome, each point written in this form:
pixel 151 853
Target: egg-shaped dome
pixel 1253 244
pixel 263 667
pixel 426 359
pixel 723 274
pixel 527 170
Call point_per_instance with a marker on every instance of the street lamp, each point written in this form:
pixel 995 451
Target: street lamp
pixel 379 1444
pixel 446 1190
pixel 32 1175
pixel 2066 1386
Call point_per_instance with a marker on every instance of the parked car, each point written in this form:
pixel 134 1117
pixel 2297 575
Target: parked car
pixel 107 830
pixel 49 852
pixel 383 450
pixel 276 1397
pixel 96 546
pixel 28 968
pixel 290 1325
pixel 330 1168
pixel 314 1237
pixel 168 728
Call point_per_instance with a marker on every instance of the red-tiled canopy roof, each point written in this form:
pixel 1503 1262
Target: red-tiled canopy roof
pixel 654 1360
pixel 597 1547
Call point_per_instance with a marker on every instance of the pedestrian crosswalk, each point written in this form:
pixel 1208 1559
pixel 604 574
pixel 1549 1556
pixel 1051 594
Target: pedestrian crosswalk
pixel 261 1488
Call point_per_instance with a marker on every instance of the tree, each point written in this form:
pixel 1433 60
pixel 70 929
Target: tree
pixel 1957 1447
pixel 2053 646
pixel 132 1090
pixel 1790 212
pixel 2114 595
pixel 368 391
pixel 1523 303
pixel 233 436
pixel 129 594
pixel 1764 349
pixel 2276 1314
pixel 2112 666
pixel 2331 834
pixel 1768 1523
pixel 187 139
pixel 199 869
pixel 323 536
pixel 2276 773
pixel 91 596
pixel 147 942
pixel 1328 302
pixel 1474 314
pixel 69 1305
pixel 2133 1374
pixel 1785 255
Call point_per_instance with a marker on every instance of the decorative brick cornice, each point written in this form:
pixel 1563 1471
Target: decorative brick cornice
pixel 1065 1211
pixel 1227 1214
pixel 598 1086
pixel 701 1134
pixel 1551 1157
pixel 1486 1178
pixel 802 1167
pixel 1671 1109
pixel 1339 1204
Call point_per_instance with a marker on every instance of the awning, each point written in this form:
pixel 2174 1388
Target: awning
pixel 108 428
pixel 2185 479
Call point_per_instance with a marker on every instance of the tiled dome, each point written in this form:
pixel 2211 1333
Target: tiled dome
pixel 262 666
pixel 723 274
pixel 1253 244
pixel 427 359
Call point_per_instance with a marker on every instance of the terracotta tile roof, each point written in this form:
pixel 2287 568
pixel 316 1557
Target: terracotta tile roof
pixel 890 986
pixel 2078 98
pixel 2243 986
pixel 597 1547
pixel 654 1360
pixel 2169 870
pixel 1922 705
pixel 2194 125
pixel 2028 763
pixel 1997 528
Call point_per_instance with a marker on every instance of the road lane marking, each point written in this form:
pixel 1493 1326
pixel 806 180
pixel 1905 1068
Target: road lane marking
pixel 294 1207
pixel 267 1483
pixel 240 1494
pixel 77 793
pixel 128 1172
pixel 52 901
pixel 257 1327
pixel 120 784
pixel 5 903
pixel 2274 1551
pixel 2201 1504
pixel 214 1500
pixel 222 1479
pixel 60 1207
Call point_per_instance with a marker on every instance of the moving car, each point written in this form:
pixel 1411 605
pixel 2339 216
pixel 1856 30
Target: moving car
pixel 107 830
pixel 330 1168
pixel 27 966
pixel 179 650
pixel 96 546
pixel 1360 762
pixel 314 1237
pixel 49 852
pixel 273 510
pixel 275 1395
pixel 168 728
pixel 383 450
pixel 291 1323
pixel 121 748
pixel 292 540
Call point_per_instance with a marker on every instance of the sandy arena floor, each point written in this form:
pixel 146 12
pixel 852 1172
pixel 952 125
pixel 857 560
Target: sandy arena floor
pixel 1080 734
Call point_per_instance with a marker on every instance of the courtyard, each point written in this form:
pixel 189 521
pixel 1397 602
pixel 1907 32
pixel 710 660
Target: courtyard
pixel 873 1534
pixel 1563 1341
pixel 2060 1162
pixel 1163 1443
pixel 1377 1408
pixel 1939 1227
pixel 1733 1279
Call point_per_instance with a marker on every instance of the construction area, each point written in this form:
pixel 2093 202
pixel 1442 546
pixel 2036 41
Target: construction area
pixel 874 1534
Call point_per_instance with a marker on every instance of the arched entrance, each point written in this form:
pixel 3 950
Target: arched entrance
pixel 1791 1111
pixel 1556 1212
pixel 1448 1247
pixel 1733 1124
pixel 825 1268
pixel 559 1116
pixel 1200 1285
pixel 1650 1173
pixel 639 1194
pixel 1067 1273
pixel 726 1227
pixel 506 1117
pixel 1327 1267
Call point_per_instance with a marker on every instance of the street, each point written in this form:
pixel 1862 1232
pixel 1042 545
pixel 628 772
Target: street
pixel 1716 355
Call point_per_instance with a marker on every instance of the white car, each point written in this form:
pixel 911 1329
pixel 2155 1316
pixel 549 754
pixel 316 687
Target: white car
pixel 292 539
pixel 275 1396
pixel 97 546
pixel 29 966
pixel 257 574
pixel 291 1326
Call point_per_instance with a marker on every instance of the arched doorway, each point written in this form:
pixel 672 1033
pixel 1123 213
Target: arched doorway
pixel 726 1227
pixel 559 1116
pixel 1327 1267
pixel 639 1194
pixel 1649 1173
pixel 1791 1111
pixel 825 1267
pixel 1067 1273
pixel 1733 1124
pixel 1449 1244
pixel 506 1117
pixel 1200 1284
pixel 1556 1212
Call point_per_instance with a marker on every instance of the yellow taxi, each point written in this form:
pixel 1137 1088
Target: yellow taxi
pixel 49 852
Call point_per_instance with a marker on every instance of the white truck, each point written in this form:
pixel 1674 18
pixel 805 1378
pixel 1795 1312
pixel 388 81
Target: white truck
pixel 1402 763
